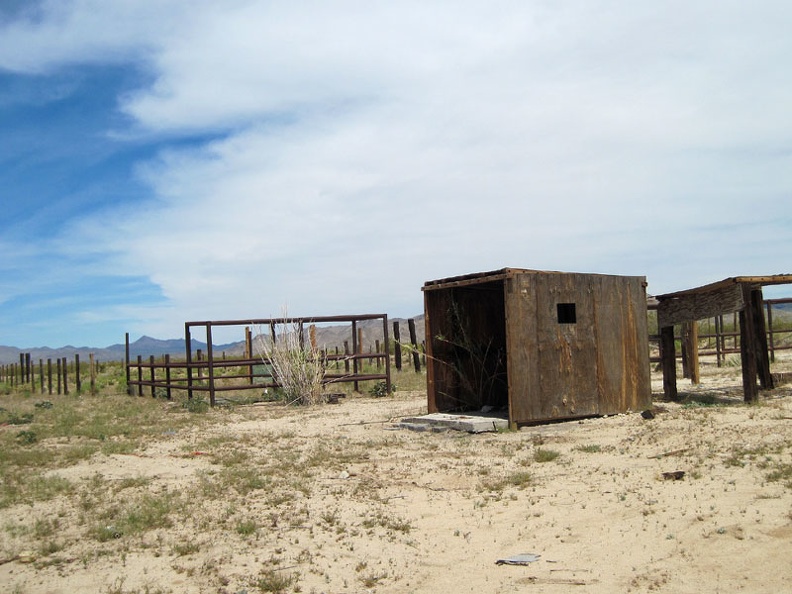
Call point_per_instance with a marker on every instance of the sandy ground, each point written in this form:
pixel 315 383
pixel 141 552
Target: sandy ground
pixel 347 502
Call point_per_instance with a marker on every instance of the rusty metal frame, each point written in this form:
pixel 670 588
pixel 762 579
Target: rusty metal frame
pixel 210 363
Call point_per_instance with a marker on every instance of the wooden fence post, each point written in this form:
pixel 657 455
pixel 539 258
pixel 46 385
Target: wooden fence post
pixel 153 376
pixel 168 376
pixel 77 381
pixel 397 352
pixel 65 376
pixel 92 372
pixel 414 343
pixel 140 374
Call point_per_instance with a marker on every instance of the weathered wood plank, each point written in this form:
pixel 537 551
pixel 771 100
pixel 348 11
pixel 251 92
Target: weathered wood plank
pixel 697 306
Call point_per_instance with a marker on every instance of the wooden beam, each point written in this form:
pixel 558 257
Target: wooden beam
pixel 697 306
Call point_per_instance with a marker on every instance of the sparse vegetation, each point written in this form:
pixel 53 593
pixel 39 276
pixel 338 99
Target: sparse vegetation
pixel 267 498
pixel 544 455
pixel 297 366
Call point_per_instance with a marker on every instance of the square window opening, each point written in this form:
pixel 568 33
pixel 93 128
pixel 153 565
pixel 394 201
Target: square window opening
pixel 567 313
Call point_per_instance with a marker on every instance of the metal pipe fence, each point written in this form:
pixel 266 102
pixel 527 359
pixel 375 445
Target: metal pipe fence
pixel 201 372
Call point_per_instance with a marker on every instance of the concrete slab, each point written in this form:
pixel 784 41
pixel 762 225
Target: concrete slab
pixel 455 422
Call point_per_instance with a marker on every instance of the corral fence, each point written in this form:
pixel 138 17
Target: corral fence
pixel 52 377
pixel 206 372
pixel 720 336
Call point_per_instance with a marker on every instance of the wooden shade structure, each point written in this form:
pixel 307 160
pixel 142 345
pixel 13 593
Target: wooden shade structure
pixel 741 294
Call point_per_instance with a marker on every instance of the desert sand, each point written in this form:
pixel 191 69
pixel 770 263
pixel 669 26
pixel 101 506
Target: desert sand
pixel 338 498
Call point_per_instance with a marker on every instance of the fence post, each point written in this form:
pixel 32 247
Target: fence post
pixel 355 347
pixel 249 351
pixel 41 374
pixel 210 361
pixel 77 382
pixel 414 342
pixel 49 376
pixel 168 376
pixel 92 372
pixel 140 374
pixel 65 377
pixel 153 377
pixel 770 330
pixel 128 377
pixel 59 374
pixel 397 352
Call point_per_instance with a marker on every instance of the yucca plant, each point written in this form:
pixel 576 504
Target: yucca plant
pixel 298 368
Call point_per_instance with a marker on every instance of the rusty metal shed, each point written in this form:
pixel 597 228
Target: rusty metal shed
pixel 741 294
pixel 541 345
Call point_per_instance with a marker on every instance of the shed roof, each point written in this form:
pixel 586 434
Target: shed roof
pixel 773 279
pixel 492 275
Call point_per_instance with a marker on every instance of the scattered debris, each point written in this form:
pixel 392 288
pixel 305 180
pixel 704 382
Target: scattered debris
pixel 445 422
pixel 522 559
pixel 648 414
pixel 671 453
pixel 676 475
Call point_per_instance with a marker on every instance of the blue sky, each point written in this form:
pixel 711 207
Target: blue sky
pixel 168 161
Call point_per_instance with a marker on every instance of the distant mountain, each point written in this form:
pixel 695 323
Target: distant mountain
pixel 327 337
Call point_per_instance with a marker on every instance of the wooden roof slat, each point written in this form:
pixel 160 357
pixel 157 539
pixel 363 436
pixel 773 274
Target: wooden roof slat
pixel 775 279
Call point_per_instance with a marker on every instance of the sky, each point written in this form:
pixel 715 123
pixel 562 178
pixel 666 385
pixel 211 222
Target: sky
pixel 164 161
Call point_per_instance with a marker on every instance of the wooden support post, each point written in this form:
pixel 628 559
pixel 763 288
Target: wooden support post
pixel 41 374
pixel 690 352
pixel 760 339
pixel 60 375
pixel 748 353
pixel 77 381
pixel 49 376
pixel 668 358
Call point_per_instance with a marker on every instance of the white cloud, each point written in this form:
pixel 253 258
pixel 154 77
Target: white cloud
pixel 367 147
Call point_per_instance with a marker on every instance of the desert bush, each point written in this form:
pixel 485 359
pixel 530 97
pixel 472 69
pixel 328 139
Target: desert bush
pixel 298 368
